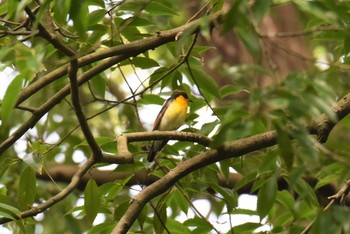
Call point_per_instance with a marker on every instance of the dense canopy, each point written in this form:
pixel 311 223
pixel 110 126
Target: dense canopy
pixel 83 81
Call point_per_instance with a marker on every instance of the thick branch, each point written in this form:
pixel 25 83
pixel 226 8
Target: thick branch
pixel 158 135
pixel 131 49
pixel 64 173
pixel 324 125
pixel 54 100
pixel 227 150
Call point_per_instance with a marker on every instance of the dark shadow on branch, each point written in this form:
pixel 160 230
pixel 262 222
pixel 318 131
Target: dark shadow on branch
pixel 64 173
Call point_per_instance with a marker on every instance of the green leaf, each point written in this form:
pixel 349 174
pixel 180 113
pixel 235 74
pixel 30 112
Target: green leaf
pixel 172 80
pixel 327 180
pixel 283 220
pixel 34 160
pixel 201 225
pixel 158 75
pixel 121 208
pixel 10 99
pixel 314 8
pixel 4 214
pixel 266 197
pixel 4 8
pixel 60 11
pixel 132 33
pixel 346 43
pixel 102 228
pixel 285 199
pixel 100 141
pixel 260 8
pixel 4 52
pixel 92 200
pixel 26 188
pixel 158 8
pixel 149 99
pixel 99 85
pixel 5 163
pixel 285 147
pixel 234 16
pixel 250 40
pixel 139 21
pixel 246 228
pixel 306 192
pixel 322 106
pixel 76 209
pixel 144 63
pixel 8 210
pixel 12 8
pixel 229 197
pixel 98 31
pixel 175 227
pixel 38 147
pixel 160 218
pixel 79 13
pixel 204 81
pixel 228 90
pixel 244 212
pixel 334 220
pixel 96 16
pixel 143 216
pixel 180 201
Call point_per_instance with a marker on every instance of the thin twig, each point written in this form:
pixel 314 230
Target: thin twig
pixel 16 33
pixel 159 217
pixel 301 33
pixel 338 196
pixel 97 152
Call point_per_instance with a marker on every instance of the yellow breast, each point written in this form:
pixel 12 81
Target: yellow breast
pixel 175 115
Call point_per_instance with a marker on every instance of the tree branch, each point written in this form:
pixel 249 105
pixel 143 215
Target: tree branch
pixel 50 37
pixel 116 54
pixel 97 152
pixel 158 135
pixel 130 49
pixel 232 149
pixel 324 125
pixel 54 100
pixel 64 173
pixel 227 150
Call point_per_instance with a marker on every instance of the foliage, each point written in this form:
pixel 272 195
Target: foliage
pixel 131 55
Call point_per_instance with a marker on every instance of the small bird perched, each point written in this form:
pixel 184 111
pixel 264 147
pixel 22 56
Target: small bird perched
pixel 172 115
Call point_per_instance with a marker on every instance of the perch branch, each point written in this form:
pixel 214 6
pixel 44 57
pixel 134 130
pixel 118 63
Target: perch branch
pixel 115 54
pixel 158 135
pixel 228 150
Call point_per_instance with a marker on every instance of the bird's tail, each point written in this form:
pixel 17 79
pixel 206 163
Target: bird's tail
pixel 156 146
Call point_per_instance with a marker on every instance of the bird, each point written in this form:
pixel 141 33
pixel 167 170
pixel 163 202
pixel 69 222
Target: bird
pixel 172 115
